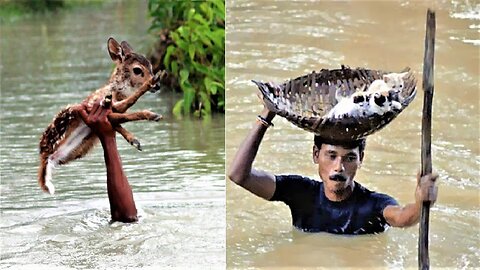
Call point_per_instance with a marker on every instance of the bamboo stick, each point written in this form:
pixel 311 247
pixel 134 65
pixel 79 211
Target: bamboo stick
pixel 428 62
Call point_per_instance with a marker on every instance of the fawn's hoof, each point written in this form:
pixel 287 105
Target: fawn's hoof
pixel 136 144
pixel 157 117
pixel 155 88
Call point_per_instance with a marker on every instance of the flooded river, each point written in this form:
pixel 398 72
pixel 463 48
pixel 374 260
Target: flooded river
pixel 276 41
pixel 51 60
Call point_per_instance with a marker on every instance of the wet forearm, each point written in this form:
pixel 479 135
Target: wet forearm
pixel 241 167
pixel 405 216
pixel 410 214
pixel 122 205
pixel 112 160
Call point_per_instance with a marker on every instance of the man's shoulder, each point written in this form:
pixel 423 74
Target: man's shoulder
pixel 297 179
pixel 363 191
pixel 291 187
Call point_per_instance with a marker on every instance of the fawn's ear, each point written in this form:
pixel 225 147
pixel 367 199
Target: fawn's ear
pixel 127 49
pixel 115 50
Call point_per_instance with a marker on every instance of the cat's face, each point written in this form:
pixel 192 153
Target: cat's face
pixel 395 81
pixel 361 100
pixel 382 100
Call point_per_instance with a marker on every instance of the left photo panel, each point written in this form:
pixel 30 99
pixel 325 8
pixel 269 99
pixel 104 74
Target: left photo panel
pixel 113 134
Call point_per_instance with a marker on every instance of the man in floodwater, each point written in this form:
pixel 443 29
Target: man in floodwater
pixel 338 204
pixel 120 197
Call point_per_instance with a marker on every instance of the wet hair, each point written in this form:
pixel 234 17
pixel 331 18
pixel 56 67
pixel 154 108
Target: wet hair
pixel 349 145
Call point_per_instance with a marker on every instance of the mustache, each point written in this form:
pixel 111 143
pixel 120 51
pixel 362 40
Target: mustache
pixel 338 178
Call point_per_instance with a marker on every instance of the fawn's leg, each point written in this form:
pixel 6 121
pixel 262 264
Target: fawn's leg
pixel 122 106
pixel 119 118
pixel 129 137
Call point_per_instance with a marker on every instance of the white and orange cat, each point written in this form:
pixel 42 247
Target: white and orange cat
pixel 380 97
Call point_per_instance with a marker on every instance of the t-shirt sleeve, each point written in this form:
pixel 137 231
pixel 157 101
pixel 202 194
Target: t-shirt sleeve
pixel 383 201
pixel 292 188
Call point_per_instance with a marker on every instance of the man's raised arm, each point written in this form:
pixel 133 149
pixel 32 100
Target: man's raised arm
pixel 122 205
pixel 258 182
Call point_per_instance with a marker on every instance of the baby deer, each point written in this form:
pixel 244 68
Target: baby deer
pixel 68 137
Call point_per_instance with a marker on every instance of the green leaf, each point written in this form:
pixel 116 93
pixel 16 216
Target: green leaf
pixel 168 53
pixel 220 5
pixel 182 44
pixel 175 36
pixel 199 18
pixel 200 68
pixel 181 30
pixel 174 67
pixel 177 109
pixel 183 76
pixel 191 12
pixel 213 89
pixel 191 51
pixel 207 82
pixel 188 98
pixel 205 40
pixel 206 102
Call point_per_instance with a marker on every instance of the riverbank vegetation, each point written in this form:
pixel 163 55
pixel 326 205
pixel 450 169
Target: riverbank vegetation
pixel 11 10
pixel 191 48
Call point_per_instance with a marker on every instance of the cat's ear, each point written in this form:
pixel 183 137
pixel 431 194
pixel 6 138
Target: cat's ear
pixel 403 74
pixel 386 78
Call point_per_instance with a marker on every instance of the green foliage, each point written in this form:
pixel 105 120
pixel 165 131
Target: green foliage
pixel 41 5
pixel 197 56
pixel 12 10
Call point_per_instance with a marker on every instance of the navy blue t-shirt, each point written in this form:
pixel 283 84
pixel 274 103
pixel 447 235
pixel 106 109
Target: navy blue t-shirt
pixel 312 211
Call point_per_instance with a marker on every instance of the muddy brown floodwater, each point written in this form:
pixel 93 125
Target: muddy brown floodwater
pixel 276 41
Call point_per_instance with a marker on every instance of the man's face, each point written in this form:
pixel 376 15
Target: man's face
pixel 337 166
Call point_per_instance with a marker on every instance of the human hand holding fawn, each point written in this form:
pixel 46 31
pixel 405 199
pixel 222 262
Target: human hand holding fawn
pixel 97 118
pixel 74 130
pixel 122 204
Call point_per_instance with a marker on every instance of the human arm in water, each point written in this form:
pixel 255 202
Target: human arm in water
pixel 122 204
pixel 408 215
pixel 258 182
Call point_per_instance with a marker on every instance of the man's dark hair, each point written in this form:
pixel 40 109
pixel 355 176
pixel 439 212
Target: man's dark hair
pixel 350 145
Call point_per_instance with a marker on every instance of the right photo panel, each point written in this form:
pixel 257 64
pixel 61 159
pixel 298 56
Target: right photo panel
pixel 336 154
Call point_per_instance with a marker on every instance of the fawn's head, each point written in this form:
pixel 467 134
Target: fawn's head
pixel 132 69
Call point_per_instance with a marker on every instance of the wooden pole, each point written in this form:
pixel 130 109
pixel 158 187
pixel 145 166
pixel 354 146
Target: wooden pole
pixel 423 259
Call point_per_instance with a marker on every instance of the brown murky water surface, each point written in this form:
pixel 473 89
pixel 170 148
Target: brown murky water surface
pixel 275 41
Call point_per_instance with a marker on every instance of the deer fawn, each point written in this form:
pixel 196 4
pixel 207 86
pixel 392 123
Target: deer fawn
pixel 68 138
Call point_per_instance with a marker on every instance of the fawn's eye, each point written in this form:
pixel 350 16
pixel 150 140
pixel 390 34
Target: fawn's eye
pixel 137 71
